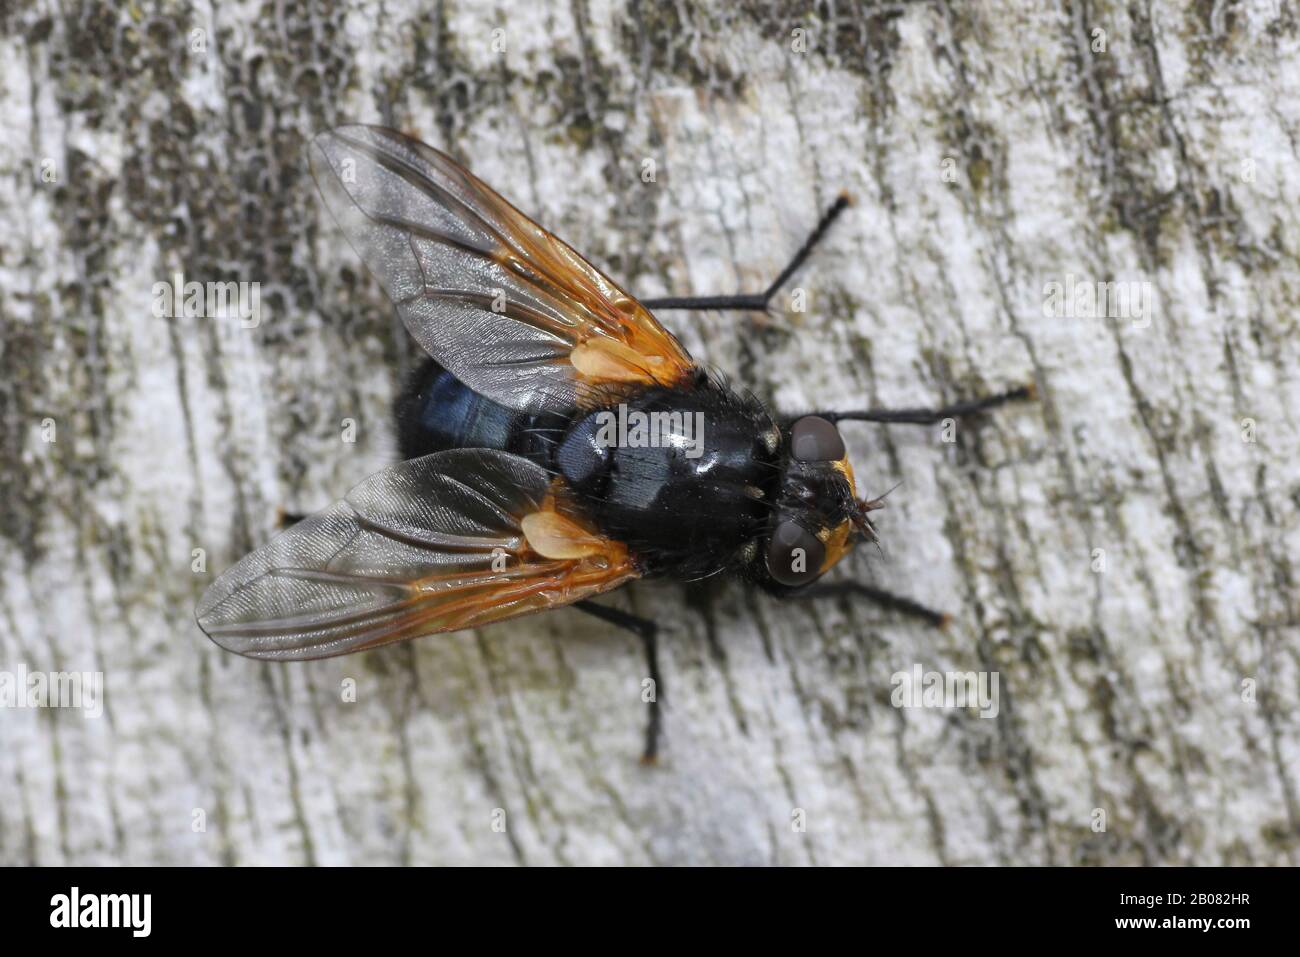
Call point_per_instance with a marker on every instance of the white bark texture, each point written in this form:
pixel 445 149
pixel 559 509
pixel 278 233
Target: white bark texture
pixel 1121 553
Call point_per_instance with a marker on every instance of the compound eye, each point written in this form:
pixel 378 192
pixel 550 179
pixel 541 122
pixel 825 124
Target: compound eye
pixel 794 555
pixel 814 439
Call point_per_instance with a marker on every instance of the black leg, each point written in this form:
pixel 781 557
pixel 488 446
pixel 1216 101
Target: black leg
pixel 930 416
pixel 757 302
pixel 285 519
pixel 647 631
pixel 883 598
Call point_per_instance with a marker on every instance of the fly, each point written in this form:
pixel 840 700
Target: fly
pixel 512 497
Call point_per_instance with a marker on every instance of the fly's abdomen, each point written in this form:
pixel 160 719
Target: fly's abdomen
pixel 436 412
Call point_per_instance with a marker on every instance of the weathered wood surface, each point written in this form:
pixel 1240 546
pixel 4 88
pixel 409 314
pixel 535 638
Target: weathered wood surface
pixel 992 150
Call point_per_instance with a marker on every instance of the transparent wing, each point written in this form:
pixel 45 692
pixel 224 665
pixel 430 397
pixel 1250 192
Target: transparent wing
pixel 508 308
pixel 434 544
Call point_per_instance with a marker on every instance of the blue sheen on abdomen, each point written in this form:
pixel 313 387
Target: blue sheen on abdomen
pixel 437 411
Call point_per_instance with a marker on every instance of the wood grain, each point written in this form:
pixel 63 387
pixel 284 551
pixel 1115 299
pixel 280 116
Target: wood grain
pixel 991 150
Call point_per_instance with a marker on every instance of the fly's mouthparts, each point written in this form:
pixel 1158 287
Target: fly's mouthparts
pixel 862 522
pixel 861 519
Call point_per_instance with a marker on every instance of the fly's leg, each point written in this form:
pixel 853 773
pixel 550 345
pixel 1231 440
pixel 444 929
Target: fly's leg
pixel 916 416
pixel 921 416
pixel 757 302
pixel 883 598
pixel 647 631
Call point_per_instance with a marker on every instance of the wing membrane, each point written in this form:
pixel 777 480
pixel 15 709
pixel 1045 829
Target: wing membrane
pixel 430 545
pixel 508 308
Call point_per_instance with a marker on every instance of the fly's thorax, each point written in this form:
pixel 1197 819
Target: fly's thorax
pixel 685 476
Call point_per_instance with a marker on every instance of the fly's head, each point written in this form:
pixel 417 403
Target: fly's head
pixel 817 516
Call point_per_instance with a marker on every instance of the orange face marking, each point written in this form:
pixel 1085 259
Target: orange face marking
pixel 839 540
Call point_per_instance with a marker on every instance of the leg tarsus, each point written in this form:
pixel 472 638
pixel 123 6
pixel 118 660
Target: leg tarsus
pixel 758 302
pixel 648 632
pixel 842 202
pixel 881 597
